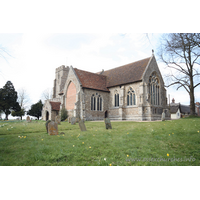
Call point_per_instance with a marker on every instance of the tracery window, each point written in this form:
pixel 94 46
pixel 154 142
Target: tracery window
pixel 154 89
pixel 131 97
pixel 96 102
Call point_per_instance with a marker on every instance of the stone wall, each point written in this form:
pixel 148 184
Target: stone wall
pixel 92 114
pixel 46 108
pixel 60 79
pixel 123 112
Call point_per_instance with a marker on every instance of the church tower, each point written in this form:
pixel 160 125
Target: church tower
pixel 60 79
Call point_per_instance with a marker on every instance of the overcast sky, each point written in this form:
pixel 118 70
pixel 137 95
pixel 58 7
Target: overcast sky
pixel 32 58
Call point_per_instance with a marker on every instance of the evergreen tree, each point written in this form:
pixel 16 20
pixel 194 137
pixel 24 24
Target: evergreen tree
pixel 18 113
pixel 64 114
pixel 36 110
pixel 8 99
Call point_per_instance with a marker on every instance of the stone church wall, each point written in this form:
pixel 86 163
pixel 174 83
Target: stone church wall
pixel 123 111
pixel 91 114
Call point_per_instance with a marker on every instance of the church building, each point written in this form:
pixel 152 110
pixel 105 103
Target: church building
pixel 133 91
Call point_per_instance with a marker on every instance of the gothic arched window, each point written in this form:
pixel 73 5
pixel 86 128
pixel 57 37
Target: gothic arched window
pixel 96 102
pixel 116 99
pixel 131 97
pixel 154 89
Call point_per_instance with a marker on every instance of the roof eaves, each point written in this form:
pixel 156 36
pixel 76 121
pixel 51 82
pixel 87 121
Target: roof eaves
pixel 97 89
pixel 124 83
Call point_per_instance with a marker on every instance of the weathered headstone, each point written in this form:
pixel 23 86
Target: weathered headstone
pixel 69 119
pixel 52 128
pixel 82 125
pixel 73 120
pixel 57 119
pixel 28 119
pixel 46 124
pixel 108 124
pixel 163 116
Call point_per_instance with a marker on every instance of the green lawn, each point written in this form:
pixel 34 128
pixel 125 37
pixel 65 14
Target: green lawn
pixel 168 143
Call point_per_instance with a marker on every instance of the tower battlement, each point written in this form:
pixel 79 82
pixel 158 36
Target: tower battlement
pixel 62 67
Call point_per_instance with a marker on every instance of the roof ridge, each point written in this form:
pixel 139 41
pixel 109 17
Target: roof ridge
pixel 91 72
pixel 127 64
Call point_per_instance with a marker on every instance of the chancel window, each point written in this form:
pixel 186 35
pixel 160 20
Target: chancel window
pixel 96 102
pixel 131 97
pixel 154 89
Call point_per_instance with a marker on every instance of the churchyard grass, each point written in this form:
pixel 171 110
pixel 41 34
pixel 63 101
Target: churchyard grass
pixel 167 143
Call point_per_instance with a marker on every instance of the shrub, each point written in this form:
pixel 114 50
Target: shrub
pixel 64 114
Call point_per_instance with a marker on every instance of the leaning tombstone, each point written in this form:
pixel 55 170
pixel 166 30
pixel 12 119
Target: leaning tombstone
pixel 57 119
pixel 108 124
pixel 163 116
pixel 82 125
pixel 53 128
pixel 73 120
pixel 46 124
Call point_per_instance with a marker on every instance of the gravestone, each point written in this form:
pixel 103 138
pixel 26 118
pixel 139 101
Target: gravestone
pixel 73 120
pixel 82 125
pixel 28 119
pixel 57 119
pixel 163 116
pixel 69 119
pixel 52 128
pixel 46 124
pixel 108 124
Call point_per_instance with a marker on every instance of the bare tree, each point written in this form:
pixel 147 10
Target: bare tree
pixel 3 53
pixel 180 52
pixel 23 98
pixel 47 94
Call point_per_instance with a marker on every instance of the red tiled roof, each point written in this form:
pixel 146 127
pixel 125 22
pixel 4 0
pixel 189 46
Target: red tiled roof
pixel 55 105
pixel 127 73
pixel 91 80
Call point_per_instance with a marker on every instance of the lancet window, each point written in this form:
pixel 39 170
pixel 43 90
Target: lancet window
pixel 131 97
pixel 96 102
pixel 154 89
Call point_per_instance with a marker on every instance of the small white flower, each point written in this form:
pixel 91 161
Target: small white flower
pixel 19 136
pixel 104 158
